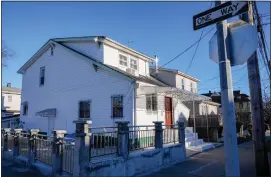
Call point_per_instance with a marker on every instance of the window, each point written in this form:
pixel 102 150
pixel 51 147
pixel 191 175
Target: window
pixel 123 60
pixel 25 108
pixel 42 76
pixel 117 106
pixel 84 109
pixel 191 86
pixel 133 63
pixel 151 102
pixel 9 98
pixel 183 84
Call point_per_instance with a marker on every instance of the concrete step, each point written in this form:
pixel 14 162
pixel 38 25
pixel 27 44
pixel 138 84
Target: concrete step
pixel 191 138
pixel 202 147
pixel 194 143
pixel 189 130
pixel 191 135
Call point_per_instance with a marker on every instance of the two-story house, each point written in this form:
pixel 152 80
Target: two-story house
pixel 95 78
pixel 11 100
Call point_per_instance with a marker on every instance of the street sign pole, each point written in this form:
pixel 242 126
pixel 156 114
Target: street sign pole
pixel 258 129
pixel 228 113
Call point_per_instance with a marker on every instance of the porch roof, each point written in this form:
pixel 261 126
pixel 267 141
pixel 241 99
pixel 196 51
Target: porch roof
pixel 183 95
pixel 47 113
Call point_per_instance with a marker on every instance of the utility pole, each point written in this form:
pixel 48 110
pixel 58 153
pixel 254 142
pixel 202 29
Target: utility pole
pixel 258 129
pixel 228 112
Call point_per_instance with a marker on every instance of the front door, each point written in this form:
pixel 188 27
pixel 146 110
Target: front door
pixel 168 111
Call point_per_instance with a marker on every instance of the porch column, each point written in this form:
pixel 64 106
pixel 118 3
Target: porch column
pixel 158 134
pixel 82 146
pixel 123 139
pixel 17 134
pixel 32 133
pixel 57 153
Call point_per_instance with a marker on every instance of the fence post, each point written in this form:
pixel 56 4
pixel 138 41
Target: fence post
pixel 158 134
pixel 31 145
pixel 6 133
pixel 123 139
pixel 181 132
pixel 57 151
pixel 82 145
pixel 17 134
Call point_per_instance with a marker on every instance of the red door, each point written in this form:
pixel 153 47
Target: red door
pixel 168 111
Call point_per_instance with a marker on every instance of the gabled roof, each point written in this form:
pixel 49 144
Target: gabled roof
pixel 175 71
pixel 11 89
pixel 102 39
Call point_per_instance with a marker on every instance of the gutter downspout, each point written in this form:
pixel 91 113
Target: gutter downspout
pixel 134 104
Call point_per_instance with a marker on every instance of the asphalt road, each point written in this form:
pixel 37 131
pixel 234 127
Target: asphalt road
pixel 211 163
pixel 12 170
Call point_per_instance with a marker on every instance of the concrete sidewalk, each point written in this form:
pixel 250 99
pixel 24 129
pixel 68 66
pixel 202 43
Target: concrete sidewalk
pixel 211 163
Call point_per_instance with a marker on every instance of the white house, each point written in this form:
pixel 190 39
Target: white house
pixel 11 100
pixel 96 78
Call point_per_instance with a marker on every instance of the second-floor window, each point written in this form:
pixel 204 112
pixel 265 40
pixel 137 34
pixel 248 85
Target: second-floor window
pixel 151 102
pixel 133 63
pixel 84 109
pixel 183 83
pixel 123 60
pixel 42 76
pixel 191 86
pixel 9 98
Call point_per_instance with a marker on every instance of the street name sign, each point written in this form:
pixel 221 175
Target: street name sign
pixel 219 13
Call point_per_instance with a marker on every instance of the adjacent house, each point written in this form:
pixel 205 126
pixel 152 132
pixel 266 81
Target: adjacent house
pixel 241 102
pixel 11 100
pixel 99 79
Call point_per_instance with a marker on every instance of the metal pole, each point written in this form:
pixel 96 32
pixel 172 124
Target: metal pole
pixel 258 133
pixel 194 120
pixel 229 124
pixel 206 110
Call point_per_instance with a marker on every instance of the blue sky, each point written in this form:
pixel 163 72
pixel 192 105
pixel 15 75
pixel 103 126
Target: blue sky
pixel 156 28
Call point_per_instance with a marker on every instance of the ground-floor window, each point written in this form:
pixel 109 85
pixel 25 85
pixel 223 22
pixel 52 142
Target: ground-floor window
pixel 84 109
pixel 117 106
pixel 151 102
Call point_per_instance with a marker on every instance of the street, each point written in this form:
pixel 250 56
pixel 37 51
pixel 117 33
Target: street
pixel 211 163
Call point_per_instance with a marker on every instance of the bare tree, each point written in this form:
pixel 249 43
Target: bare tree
pixel 6 54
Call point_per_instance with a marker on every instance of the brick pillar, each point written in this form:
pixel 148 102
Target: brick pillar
pixel 17 134
pixel 123 139
pixel 82 146
pixel 158 134
pixel 6 134
pixel 57 153
pixel 31 145
pixel 181 132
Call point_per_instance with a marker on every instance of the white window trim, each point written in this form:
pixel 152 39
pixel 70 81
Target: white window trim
pixel 127 56
pixel 133 58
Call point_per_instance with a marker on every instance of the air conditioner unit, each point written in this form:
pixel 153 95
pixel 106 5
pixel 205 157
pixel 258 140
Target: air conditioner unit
pixel 131 71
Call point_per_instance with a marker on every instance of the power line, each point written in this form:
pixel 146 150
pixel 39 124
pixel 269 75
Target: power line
pixel 185 50
pixel 196 46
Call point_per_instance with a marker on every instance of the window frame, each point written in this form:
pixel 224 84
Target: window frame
pixel 191 86
pixel 127 59
pixel 120 108
pixel 153 105
pixel 9 98
pixel 84 109
pixel 136 60
pixel 183 84
pixel 42 69
pixel 25 108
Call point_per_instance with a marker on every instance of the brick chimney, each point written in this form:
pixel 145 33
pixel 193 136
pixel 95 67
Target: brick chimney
pixel 8 84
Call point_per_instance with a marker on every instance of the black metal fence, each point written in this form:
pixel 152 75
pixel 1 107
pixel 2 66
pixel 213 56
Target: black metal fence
pixel 23 144
pixel 68 155
pixel 103 141
pixel 141 137
pixel 170 134
pixel 43 148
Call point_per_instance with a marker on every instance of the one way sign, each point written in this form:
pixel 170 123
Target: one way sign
pixel 219 13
